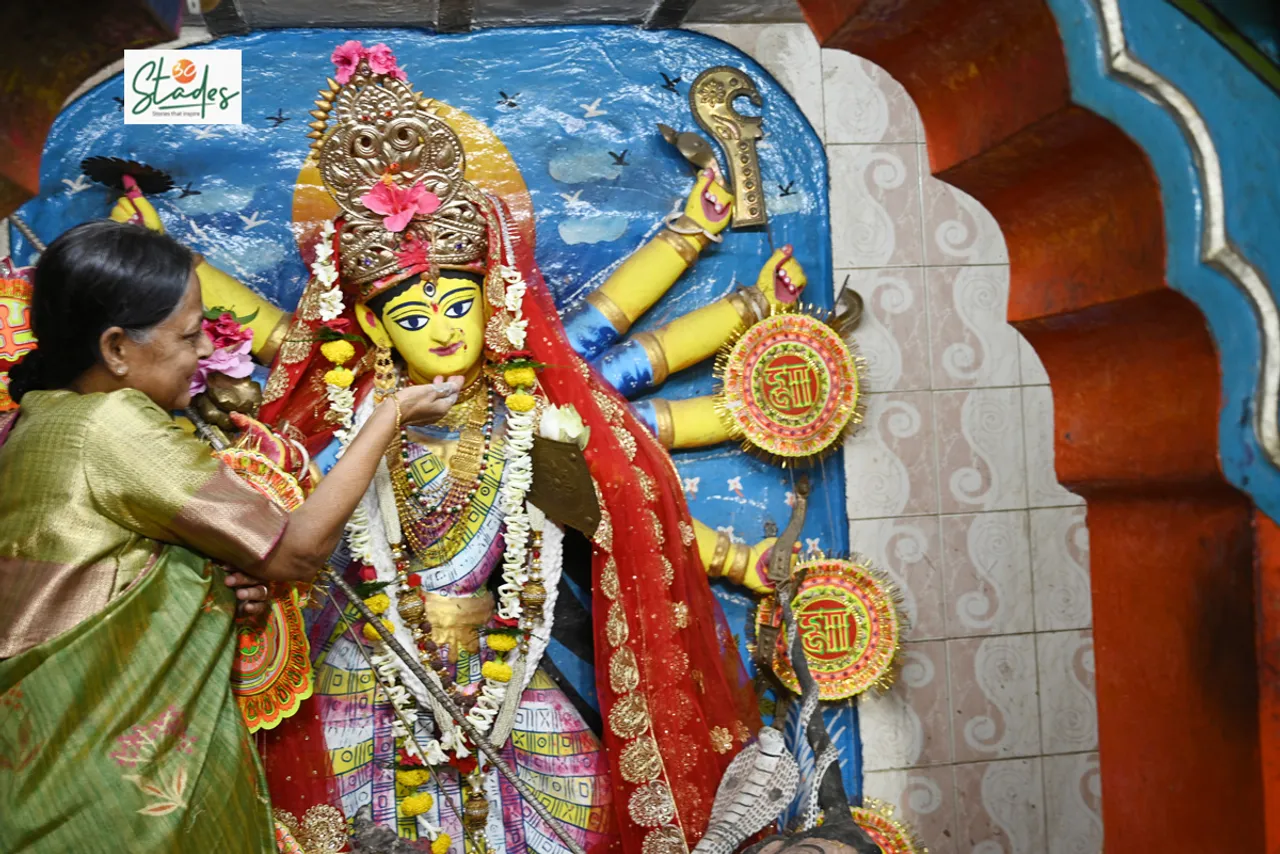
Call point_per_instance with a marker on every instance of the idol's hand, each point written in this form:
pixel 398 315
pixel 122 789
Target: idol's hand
pixel 127 209
pixel 710 203
pixel 252 596
pixel 427 404
pixel 782 279
pixel 757 577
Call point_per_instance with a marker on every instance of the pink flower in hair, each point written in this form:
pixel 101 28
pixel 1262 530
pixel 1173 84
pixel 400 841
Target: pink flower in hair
pixel 383 61
pixel 398 205
pixel 346 58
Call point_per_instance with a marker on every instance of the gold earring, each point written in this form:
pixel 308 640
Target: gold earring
pixel 385 378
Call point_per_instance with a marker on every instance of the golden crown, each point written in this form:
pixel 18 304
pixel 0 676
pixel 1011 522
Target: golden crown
pixel 372 129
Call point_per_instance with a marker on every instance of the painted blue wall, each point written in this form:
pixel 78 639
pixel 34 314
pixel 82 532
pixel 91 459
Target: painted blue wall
pixel 533 88
pixel 1243 116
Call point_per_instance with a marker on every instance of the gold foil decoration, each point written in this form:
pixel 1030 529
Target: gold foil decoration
pixel 680 614
pixel 629 716
pixel 721 740
pixel 655 523
pixel 626 440
pixel 640 760
pixel 615 627
pixel 608 406
pixel 668 571
pixel 624 674
pixel 711 98
pixel 741 732
pixel 664 840
pixel 647 484
pixel 609 579
pixel 687 535
pixel 604 534
pixel 651 804
pixel 322 830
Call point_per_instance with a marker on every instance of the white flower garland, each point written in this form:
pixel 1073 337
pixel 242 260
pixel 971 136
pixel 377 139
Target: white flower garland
pixel 341 400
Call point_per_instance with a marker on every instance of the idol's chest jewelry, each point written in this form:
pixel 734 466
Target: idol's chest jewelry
pixel 428 517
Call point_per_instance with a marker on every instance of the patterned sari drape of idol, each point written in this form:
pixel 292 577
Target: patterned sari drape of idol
pixel 118 729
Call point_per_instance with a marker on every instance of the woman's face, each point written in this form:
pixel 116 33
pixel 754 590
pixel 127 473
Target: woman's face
pixel 163 363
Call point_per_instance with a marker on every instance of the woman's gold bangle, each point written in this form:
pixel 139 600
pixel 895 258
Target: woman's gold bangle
pixel 395 399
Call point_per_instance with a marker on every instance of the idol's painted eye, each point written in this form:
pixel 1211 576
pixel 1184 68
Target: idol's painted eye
pixel 460 308
pixel 413 322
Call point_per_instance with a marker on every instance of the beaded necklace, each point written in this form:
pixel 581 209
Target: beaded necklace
pixel 429 525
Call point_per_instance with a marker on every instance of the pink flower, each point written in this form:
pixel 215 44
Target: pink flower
pixel 383 61
pixel 398 205
pixel 233 362
pixel 346 58
pixel 226 332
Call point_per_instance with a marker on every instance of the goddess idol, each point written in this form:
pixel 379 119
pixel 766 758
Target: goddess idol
pixel 449 549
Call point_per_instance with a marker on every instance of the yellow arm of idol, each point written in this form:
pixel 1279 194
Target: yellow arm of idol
pixel 644 361
pixel 609 311
pixel 736 562
pixel 217 289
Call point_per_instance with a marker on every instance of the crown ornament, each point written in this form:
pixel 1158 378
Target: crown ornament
pixel 396 171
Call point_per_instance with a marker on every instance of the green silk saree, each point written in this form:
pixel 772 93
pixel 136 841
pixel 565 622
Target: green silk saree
pixel 119 732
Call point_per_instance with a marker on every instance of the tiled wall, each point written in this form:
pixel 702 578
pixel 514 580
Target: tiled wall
pixel 987 743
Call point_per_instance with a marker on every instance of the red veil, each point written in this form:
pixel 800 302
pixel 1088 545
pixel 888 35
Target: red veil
pixel 674 697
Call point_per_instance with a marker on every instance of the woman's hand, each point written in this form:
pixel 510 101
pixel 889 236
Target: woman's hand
pixel 252 596
pixel 427 404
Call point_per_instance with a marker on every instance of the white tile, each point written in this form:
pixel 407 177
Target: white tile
pixel 924 799
pixel 863 103
pixel 981 464
pixel 986 570
pixel 909 725
pixel 1000 808
pixel 1043 489
pixel 1073 801
pixel 889 461
pixel 1033 372
pixel 893 336
pixel 970 339
pixel 875 205
pixel 957 228
pixel 1060 569
pixel 1068 700
pixel 994 712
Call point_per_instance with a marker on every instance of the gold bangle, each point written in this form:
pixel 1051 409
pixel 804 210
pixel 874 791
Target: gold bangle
pixel 751 305
pixel 665 422
pixel 395 399
pixel 737 571
pixel 688 253
pixel 716 568
pixel 659 368
pixel 616 316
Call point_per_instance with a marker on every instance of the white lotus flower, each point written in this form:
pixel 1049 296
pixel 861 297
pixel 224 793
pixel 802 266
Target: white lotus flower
pixel 564 424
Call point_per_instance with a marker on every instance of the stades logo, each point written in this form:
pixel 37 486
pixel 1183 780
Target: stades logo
pixel 192 87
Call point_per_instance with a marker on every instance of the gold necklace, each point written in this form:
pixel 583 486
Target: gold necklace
pixel 466 471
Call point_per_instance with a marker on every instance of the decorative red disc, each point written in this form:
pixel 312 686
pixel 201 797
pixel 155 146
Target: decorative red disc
pixel 849 627
pixel 271 674
pixel 790 387
pixel 16 337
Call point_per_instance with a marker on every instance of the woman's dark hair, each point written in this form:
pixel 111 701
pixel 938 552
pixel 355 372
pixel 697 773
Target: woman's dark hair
pixel 95 276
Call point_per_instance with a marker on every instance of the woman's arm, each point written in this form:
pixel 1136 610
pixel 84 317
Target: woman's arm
pixel 315 528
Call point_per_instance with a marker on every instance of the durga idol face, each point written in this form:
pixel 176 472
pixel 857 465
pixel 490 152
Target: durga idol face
pixel 437 326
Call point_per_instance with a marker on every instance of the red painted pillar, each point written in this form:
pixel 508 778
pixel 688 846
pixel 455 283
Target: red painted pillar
pixel 1136 392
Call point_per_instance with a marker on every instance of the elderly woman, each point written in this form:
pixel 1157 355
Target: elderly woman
pixel 122 544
